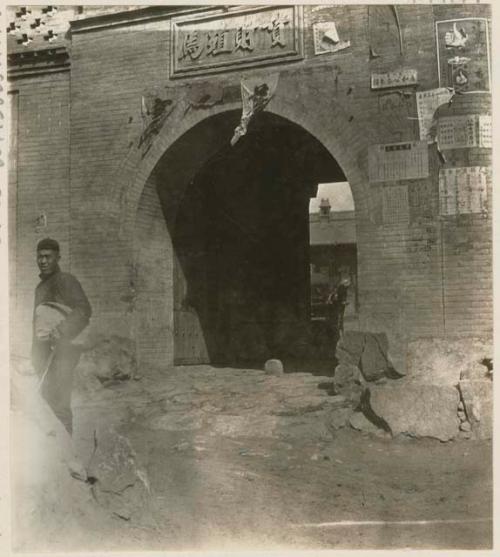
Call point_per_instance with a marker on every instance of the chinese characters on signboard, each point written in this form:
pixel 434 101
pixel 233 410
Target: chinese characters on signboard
pixel 398 78
pixel 464 54
pixel 463 190
pixel 456 132
pixel 398 161
pixel 240 38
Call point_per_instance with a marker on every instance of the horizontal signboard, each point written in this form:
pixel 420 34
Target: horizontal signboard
pixel 235 39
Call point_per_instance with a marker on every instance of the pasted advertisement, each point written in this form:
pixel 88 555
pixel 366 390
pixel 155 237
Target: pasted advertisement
pixel 397 78
pixel 463 190
pixel 398 161
pixel 327 39
pixel 395 208
pixel 239 38
pixel 463 52
pixel 427 104
pixel 456 132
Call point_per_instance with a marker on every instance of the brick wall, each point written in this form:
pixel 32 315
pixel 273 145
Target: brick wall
pixel 419 274
pixel 39 186
pixel 152 281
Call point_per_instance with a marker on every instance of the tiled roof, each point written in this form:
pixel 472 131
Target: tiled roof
pixel 32 28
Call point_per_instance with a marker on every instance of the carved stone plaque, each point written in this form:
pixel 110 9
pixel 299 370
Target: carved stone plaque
pixel 235 39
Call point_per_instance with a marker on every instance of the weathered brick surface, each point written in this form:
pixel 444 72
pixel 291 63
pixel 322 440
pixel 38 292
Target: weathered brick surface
pixel 79 163
pixel 152 281
pixel 40 186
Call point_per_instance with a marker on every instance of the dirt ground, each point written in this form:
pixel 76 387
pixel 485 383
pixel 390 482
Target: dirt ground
pixel 234 459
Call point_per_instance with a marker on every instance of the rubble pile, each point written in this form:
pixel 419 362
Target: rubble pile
pixel 446 394
pixel 476 400
pixel 54 506
pixel 362 360
pixel 120 485
pixel 106 361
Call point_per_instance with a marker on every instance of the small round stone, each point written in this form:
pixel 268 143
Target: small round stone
pixel 273 367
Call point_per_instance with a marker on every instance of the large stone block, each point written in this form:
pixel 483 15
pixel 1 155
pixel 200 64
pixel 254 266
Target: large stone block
pixel 416 409
pixel 339 417
pixel 444 361
pixel 345 375
pixel 360 422
pixel 476 372
pixel 348 382
pixel 110 359
pixel 350 347
pixel 478 402
pixel 374 362
pixel 368 351
pixel 121 486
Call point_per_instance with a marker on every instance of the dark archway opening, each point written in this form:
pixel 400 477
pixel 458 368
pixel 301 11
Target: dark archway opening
pixel 240 233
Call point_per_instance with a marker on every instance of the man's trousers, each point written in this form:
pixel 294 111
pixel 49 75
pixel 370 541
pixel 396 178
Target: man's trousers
pixel 58 382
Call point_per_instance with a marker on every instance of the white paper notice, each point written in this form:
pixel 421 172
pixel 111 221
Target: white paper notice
pixel 326 38
pixel 398 161
pixel 397 78
pixel 463 190
pixel 485 131
pixel 455 132
pixel 395 204
pixel 427 104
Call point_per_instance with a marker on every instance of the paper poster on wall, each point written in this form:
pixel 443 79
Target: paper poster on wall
pixel 398 161
pixel 395 207
pixel 397 78
pixel 463 52
pixel 463 190
pixel 326 38
pixel 456 132
pixel 427 104
pixel 485 131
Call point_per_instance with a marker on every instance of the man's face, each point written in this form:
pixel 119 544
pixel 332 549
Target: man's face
pixel 47 260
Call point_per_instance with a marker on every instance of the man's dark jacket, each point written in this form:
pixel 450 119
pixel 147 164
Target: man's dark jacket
pixel 62 288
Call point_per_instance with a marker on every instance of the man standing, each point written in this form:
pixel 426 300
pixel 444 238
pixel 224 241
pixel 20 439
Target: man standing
pixel 336 303
pixel 54 356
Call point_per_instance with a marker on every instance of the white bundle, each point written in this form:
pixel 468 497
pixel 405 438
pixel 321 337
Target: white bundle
pixel 48 316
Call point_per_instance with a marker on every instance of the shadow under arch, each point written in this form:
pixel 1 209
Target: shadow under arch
pixel 233 240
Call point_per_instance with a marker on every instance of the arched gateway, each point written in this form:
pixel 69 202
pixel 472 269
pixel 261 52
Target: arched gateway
pixel 221 240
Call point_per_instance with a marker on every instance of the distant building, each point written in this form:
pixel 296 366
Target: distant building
pixel 333 255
